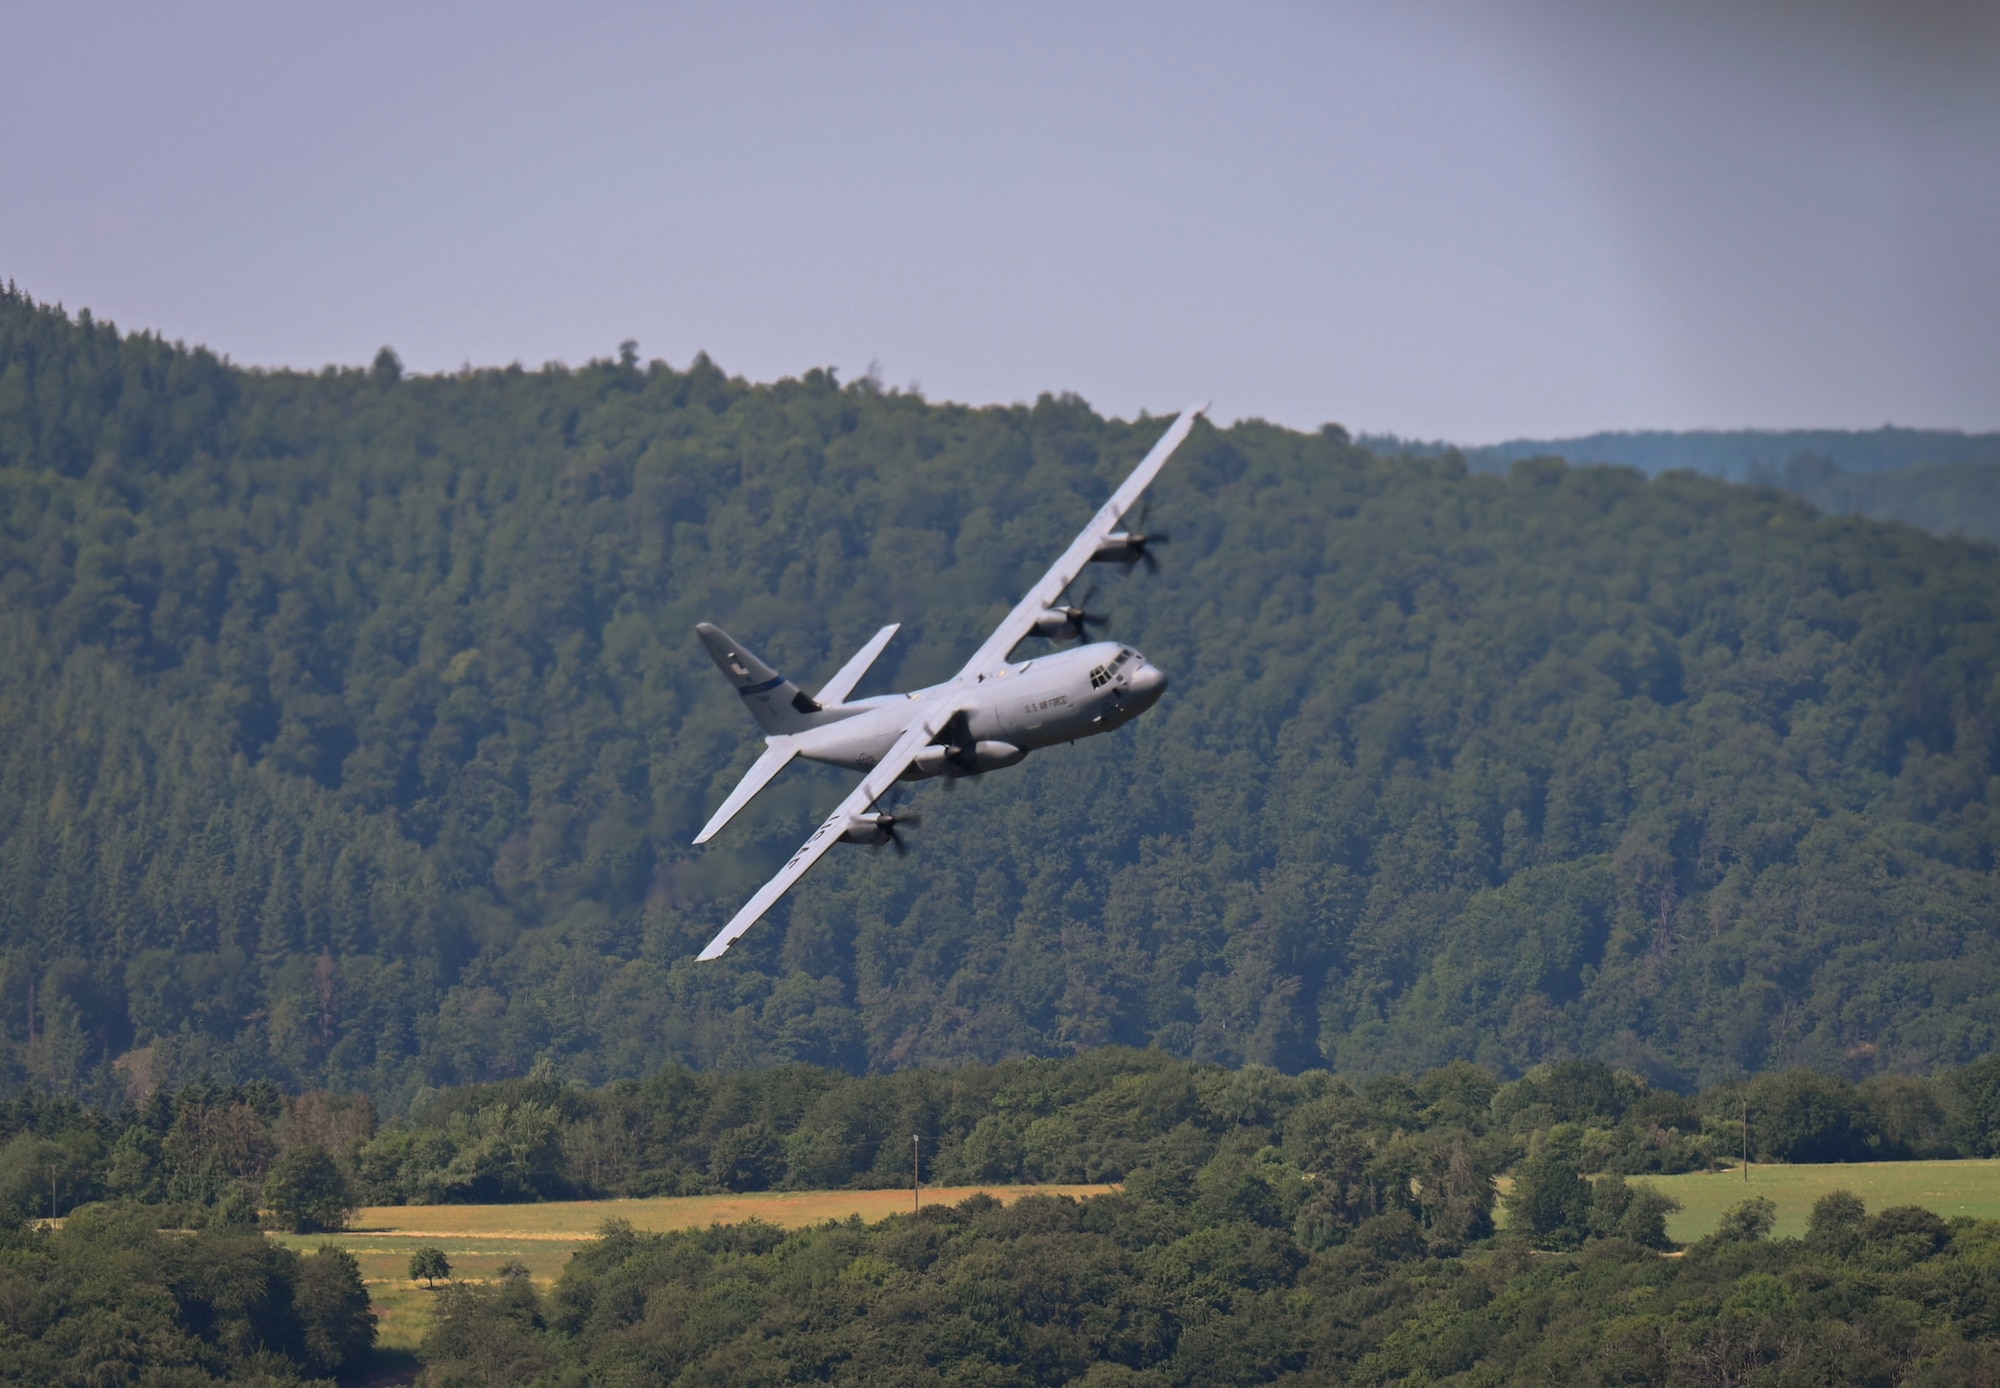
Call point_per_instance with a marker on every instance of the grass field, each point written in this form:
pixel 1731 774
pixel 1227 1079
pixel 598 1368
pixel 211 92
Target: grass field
pixel 481 1239
pixel 1948 1187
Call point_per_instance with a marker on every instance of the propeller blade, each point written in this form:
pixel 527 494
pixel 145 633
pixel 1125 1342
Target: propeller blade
pixel 1081 618
pixel 896 842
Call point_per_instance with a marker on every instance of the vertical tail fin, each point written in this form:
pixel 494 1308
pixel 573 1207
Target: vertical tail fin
pixel 778 705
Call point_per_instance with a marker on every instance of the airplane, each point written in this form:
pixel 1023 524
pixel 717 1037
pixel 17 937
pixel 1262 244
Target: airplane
pixel 991 714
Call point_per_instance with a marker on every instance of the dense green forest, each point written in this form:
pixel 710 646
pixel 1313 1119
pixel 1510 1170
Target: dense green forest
pixel 355 733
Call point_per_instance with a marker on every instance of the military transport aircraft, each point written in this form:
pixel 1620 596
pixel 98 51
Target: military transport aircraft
pixel 990 714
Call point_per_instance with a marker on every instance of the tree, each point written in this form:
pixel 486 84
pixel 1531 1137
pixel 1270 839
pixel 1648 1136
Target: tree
pixel 1975 1103
pixel 1550 1201
pixel 1456 1191
pixel 1835 1224
pixel 493 1333
pixel 1800 1115
pixel 745 1158
pixel 308 1193
pixel 429 1264
pixel 1631 1210
pixel 333 1310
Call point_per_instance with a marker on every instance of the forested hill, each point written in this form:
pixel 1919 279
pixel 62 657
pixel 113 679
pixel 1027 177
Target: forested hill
pixel 1740 455
pixel 354 734
pixel 1946 481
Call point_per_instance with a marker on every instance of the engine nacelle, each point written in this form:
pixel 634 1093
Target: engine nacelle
pixel 948 761
pixel 870 829
pixel 1052 622
pixel 1119 547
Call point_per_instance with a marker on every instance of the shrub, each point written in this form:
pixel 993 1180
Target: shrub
pixel 1747 1222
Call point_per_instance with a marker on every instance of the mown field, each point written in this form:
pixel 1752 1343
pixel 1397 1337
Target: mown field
pixel 1948 1187
pixel 482 1239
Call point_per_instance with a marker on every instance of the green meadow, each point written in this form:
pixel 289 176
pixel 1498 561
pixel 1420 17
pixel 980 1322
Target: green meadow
pixel 1948 1187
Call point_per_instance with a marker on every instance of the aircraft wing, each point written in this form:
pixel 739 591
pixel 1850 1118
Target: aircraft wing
pixel 878 780
pixel 992 656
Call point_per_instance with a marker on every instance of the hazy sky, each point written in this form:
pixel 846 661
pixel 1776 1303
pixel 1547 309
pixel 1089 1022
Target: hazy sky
pixel 1458 220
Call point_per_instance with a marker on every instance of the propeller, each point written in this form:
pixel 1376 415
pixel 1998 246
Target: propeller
pixel 1080 617
pixel 956 735
pixel 1132 545
pixel 887 820
pixel 1142 539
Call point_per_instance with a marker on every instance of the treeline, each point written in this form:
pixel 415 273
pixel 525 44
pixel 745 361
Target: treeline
pixel 352 736
pixel 216 1155
pixel 1268 1228
pixel 1223 1276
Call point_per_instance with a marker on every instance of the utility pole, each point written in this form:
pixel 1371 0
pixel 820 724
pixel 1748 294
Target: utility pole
pixel 1746 1141
pixel 916 1173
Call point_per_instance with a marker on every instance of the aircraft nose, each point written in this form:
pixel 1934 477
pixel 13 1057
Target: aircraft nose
pixel 1147 683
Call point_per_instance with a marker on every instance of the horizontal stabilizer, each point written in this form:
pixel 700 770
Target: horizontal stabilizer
pixel 842 684
pixel 780 751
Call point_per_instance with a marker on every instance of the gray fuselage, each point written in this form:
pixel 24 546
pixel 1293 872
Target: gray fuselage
pixel 1036 703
